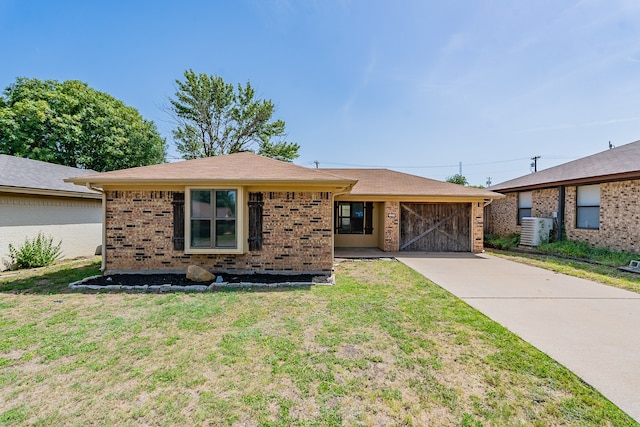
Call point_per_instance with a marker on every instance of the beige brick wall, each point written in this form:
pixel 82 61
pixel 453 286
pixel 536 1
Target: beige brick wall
pixel 545 202
pixel 503 213
pixel 391 226
pixel 619 215
pixel 297 230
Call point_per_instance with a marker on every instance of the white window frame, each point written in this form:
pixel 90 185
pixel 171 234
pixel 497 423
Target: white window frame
pixel 521 204
pixel 588 200
pixel 240 222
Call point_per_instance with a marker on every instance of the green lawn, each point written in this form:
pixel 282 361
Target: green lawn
pixel 384 346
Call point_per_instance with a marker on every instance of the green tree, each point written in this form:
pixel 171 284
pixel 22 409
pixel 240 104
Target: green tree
pixel 458 179
pixel 69 123
pixel 214 118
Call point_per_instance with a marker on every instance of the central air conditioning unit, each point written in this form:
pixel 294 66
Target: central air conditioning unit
pixel 535 231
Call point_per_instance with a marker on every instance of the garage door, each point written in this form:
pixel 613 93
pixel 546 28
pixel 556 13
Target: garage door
pixel 435 227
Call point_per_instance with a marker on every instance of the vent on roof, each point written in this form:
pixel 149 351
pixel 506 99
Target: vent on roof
pixel 535 231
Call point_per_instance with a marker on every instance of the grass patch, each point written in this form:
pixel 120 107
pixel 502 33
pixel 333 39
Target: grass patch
pixel 384 346
pixel 48 280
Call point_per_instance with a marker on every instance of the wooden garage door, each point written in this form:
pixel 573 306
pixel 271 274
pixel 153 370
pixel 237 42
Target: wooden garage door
pixel 435 227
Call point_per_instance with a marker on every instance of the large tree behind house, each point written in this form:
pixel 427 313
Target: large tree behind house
pixel 214 118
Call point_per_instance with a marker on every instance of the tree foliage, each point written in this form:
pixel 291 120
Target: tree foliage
pixel 458 179
pixel 214 119
pixel 69 123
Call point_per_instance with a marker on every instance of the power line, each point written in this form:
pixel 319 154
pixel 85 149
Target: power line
pixel 456 165
pixel 326 162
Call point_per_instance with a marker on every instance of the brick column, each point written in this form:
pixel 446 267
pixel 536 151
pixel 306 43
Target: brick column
pixel 391 226
pixel 477 227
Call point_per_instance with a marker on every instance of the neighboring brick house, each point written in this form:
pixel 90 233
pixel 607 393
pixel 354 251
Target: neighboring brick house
pixel 34 198
pixel 243 212
pixel 595 198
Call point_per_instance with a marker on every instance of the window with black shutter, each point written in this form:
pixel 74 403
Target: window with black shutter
pixel 368 218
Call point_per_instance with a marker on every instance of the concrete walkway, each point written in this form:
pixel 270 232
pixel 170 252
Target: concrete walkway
pixel 592 329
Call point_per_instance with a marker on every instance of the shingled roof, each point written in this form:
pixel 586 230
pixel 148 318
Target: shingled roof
pixel 618 163
pixel 20 175
pixel 385 182
pixel 238 168
pixel 251 168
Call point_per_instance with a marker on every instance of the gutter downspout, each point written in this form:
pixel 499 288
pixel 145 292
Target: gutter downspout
pixel 103 264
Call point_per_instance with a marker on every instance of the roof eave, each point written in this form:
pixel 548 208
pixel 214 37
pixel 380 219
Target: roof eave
pixel 576 181
pixel 181 181
pixel 46 192
pixel 408 196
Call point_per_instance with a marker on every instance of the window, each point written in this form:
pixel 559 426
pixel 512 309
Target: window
pixel 354 217
pixel 213 220
pixel 588 207
pixel 525 202
pixel 351 218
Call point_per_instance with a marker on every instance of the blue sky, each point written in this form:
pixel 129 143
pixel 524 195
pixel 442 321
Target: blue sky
pixel 416 86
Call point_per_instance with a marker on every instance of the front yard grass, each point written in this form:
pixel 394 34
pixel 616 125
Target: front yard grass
pixel 384 346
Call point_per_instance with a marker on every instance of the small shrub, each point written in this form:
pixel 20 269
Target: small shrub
pixel 37 252
pixel 502 242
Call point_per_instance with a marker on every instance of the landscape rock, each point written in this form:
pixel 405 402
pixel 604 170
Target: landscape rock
pixel 199 274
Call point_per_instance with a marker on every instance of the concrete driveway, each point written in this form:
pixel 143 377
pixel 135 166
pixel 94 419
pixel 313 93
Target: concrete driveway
pixel 592 329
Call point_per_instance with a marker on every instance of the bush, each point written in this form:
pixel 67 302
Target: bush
pixel 38 252
pixel 501 242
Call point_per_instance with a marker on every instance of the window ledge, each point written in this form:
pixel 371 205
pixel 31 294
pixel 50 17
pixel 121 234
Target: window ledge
pixel 209 251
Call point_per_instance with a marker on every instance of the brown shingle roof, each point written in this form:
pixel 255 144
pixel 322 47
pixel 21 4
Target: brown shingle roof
pixel 249 167
pixel 18 174
pixel 238 167
pixel 621 162
pixel 385 182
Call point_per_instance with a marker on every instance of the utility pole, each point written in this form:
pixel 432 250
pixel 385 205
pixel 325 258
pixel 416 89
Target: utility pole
pixel 534 165
pixel 317 163
pixel 460 169
pixel 488 181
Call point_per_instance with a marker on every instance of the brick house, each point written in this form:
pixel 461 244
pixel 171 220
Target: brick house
pixel 596 199
pixel 34 198
pixel 244 212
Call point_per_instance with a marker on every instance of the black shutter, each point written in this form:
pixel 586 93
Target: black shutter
pixel 255 221
pixel 335 217
pixel 178 221
pixel 368 218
